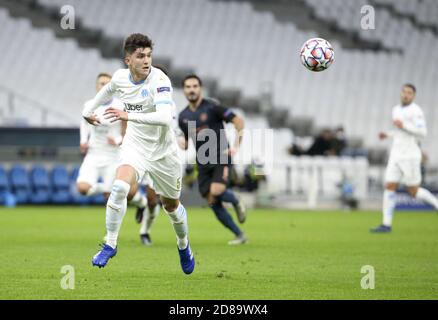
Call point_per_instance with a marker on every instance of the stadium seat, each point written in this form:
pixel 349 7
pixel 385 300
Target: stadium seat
pixel 4 185
pixel 39 178
pixel 98 199
pixel 61 185
pixel 20 184
pixel 76 197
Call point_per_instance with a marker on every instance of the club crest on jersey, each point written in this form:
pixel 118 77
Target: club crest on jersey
pixel 144 93
pixel 203 116
pixel 163 89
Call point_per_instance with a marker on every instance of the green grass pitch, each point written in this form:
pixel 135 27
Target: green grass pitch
pixel 291 255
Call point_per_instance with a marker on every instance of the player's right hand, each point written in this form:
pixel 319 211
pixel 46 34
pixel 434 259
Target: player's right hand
pixel 83 147
pixel 383 136
pixel 92 120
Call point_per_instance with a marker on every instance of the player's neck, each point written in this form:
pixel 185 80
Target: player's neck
pixel 194 105
pixel 137 78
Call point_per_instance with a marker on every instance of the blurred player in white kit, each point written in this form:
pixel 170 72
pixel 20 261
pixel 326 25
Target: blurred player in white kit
pixel 404 164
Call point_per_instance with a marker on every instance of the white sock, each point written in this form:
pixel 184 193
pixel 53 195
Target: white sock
pixel 115 211
pixel 389 202
pixel 148 219
pixel 179 222
pixel 139 200
pixel 98 188
pixel 426 196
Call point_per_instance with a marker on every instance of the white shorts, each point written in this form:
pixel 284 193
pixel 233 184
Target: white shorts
pixel 165 173
pixel 405 171
pixel 92 169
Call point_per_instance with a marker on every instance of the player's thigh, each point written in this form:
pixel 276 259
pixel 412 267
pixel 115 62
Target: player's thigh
pixel 131 166
pixel 88 172
pixel 393 173
pixel 411 172
pixel 127 173
pixel 166 176
pixel 217 188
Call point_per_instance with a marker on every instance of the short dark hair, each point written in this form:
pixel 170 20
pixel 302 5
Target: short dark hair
pixel 192 76
pixel 410 85
pixel 103 74
pixel 135 41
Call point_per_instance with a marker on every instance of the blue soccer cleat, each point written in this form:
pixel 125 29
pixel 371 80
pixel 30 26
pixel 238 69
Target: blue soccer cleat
pixel 187 260
pixel 381 229
pixel 102 257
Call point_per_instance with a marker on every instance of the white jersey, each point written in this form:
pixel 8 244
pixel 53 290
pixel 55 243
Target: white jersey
pixel 97 136
pixel 406 140
pixel 155 141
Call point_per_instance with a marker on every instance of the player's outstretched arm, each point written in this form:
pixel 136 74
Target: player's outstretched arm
pixel 103 96
pixel 161 117
pixel 84 134
pixel 416 127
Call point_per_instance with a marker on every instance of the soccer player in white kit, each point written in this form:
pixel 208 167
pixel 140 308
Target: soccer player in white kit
pixel 149 145
pixel 404 164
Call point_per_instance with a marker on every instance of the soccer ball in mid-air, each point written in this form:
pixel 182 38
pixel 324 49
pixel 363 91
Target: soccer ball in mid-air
pixel 317 54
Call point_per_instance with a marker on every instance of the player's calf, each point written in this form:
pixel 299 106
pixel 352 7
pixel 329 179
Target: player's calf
pixel 115 210
pixel 425 196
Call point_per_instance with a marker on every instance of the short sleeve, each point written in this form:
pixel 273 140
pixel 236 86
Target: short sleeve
pixel 223 113
pixel 162 91
pixel 115 80
pixel 183 126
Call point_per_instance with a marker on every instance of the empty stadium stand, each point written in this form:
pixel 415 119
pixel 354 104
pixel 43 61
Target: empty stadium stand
pixel 242 49
pixel 249 58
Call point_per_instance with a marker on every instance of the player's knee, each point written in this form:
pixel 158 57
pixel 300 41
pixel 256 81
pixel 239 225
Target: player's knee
pixel 211 199
pixel 131 193
pixel 217 189
pixel 391 186
pixel 120 190
pixel 83 188
pixel 170 206
pixel 413 191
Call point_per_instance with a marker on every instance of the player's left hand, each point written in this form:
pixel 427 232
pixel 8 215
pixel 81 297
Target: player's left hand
pixel 231 151
pixel 113 114
pixel 398 123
